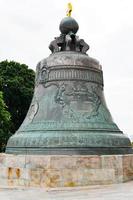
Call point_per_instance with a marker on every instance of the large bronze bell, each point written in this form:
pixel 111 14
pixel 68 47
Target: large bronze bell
pixel 68 113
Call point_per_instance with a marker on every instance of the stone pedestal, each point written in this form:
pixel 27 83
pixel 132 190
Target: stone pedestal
pixel 64 171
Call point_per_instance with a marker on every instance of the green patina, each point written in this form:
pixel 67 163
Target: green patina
pixel 68 113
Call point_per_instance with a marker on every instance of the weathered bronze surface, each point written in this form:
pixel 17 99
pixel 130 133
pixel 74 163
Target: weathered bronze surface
pixel 68 113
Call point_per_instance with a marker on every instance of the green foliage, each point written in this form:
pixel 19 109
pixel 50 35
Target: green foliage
pixel 17 84
pixel 132 144
pixel 4 124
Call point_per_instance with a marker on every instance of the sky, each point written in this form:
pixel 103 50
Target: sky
pixel 28 26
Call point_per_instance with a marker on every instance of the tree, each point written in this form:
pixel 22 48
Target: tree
pixel 4 124
pixel 17 84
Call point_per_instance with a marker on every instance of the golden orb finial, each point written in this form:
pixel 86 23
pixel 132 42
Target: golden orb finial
pixel 69 11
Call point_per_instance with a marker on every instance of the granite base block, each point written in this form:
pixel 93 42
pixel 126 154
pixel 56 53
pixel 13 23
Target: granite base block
pixel 64 171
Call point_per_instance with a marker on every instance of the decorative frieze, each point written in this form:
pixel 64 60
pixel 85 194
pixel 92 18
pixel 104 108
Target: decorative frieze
pixel 47 74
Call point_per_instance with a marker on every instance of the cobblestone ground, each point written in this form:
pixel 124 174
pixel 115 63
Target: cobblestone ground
pixel 111 192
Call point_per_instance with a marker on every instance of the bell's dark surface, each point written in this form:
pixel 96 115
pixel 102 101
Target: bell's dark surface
pixel 68 114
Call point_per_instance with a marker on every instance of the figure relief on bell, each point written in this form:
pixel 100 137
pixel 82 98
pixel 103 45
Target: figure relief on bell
pixel 71 96
pixel 42 72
